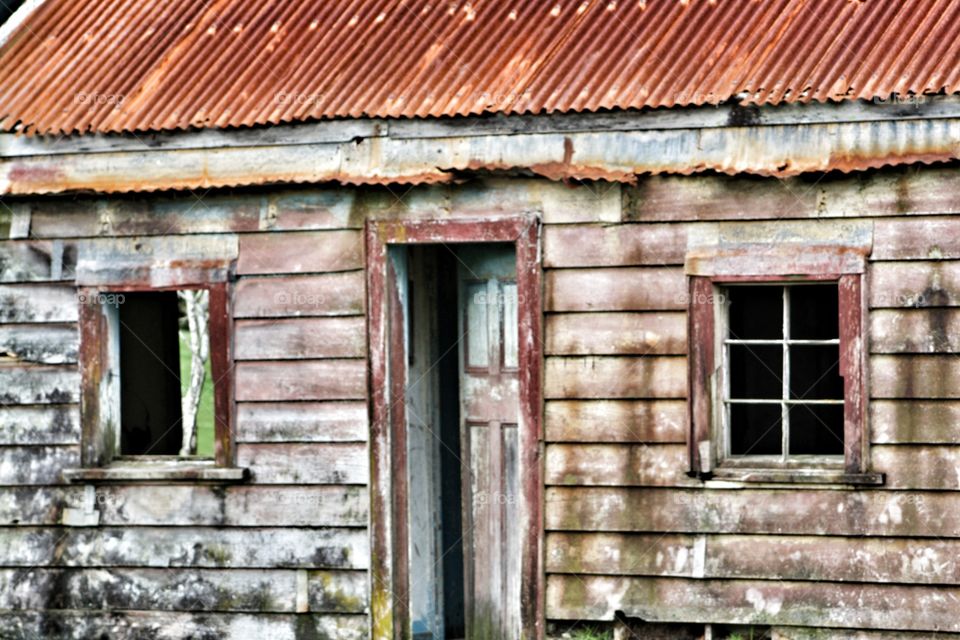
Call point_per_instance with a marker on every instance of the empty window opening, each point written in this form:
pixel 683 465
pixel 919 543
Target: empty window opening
pixel 166 389
pixel 783 395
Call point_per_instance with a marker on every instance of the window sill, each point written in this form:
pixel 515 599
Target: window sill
pixel 798 476
pixel 164 470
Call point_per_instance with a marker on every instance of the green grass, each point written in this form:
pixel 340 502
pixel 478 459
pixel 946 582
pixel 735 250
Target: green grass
pixel 205 411
pixel 590 633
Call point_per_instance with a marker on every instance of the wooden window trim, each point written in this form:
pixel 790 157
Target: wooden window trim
pixel 99 459
pixel 705 362
pixel 388 617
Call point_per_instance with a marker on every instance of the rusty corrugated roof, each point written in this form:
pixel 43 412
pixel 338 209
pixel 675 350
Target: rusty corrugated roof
pixel 139 65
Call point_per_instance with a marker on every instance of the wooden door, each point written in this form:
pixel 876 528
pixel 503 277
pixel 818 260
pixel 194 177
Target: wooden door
pixel 489 439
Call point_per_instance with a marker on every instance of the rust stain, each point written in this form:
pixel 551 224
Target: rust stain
pixel 180 64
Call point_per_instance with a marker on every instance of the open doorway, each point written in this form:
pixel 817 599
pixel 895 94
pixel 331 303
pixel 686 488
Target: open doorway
pixel 459 308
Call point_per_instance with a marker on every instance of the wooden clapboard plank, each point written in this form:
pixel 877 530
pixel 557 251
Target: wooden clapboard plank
pixel 794 510
pixel 593 245
pixel 338 591
pixel 915 421
pixel 855 606
pixel 313 463
pixel 616 333
pixel 38 384
pixel 327 294
pixel 163 547
pixel 932 330
pixel 299 338
pixel 615 377
pixel 915 376
pixel 918 466
pixel 616 421
pixel 915 284
pixel 38 303
pixel 617 465
pixel 623 289
pixel 301 422
pixel 306 252
pixel 916 239
pixel 301 380
pixel 827 558
pixel 37 261
pixel 171 625
pixel 36 464
pixel 50 424
pixel 40 343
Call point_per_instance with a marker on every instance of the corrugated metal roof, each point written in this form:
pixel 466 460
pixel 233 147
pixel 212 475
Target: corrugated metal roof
pixel 137 65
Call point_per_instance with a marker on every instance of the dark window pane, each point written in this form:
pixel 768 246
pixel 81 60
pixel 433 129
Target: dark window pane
pixel 816 429
pixel 756 371
pixel 756 312
pixel 815 372
pixel 755 429
pixel 814 312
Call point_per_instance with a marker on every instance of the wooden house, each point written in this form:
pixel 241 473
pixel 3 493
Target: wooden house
pixel 518 319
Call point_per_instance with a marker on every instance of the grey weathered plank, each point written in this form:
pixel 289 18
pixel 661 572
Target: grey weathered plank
pixel 338 591
pixel 916 466
pixel 38 384
pixel 37 260
pixel 817 558
pixel 163 547
pixel 306 252
pixel 46 344
pixel 52 424
pixel 301 464
pixel 853 606
pixel 647 465
pixel 41 465
pixel 915 284
pixel 328 294
pixel 614 245
pixel 156 261
pixel 38 303
pixel 616 289
pixel 930 330
pixel 333 379
pixel 915 376
pixel 169 625
pixel 615 377
pixel 616 421
pixel 794 510
pixel 916 238
pixel 302 422
pixel 810 633
pixel 915 421
pixel 616 333
pixel 299 338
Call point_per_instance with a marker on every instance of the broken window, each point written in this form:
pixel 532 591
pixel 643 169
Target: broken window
pixel 783 392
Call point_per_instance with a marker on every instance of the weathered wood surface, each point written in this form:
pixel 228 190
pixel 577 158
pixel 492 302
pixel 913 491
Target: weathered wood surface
pixel 251 590
pixel 809 633
pixel 918 466
pixel 38 303
pixel 614 246
pixel 164 547
pixel 45 344
pixel 52 424
pixel 615 377
pixel 37 465
pixel 791 510
pixel 302 464
pixel 933 330
pixel 37 261
pixel 616 421
pixel 915 284
pixel 616 333
pixel 301 422
pixel 915 421
pixel 301 380
pixel 122 625
pixel 328 294
pixel 648 465
pixel 814 558
pixel 617 289
pixel 916 239
pixel 298 338
pixel 854 606
pixel 307 252
pixel 38 384
pixel 915 376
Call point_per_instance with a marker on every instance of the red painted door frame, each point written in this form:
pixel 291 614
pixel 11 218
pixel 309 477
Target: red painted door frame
pixel 388 568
